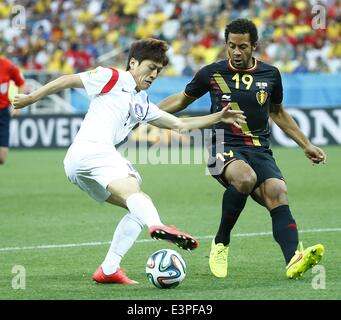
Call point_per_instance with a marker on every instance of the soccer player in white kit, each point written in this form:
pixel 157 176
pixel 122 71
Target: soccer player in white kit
pixel 118 103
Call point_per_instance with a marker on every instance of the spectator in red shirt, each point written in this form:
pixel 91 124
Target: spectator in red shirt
pixel 8 72
pixel 79 58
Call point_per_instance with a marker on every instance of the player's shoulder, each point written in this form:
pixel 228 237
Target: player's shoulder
pixel 261 66
pixel 107 74
pixel 214 67
pixel 100 70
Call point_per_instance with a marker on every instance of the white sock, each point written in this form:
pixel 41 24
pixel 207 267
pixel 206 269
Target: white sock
pixel 126 233
pixel 143 208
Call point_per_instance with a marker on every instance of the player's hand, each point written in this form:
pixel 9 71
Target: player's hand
pixel 315 154
pixel 235 117
pixel 22 100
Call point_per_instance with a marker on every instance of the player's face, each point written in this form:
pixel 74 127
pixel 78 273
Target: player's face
pixel 145 72
pixel 240 50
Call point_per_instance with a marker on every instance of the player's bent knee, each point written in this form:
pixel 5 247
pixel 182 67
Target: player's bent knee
pixel 146 195
pixel 122 189
pixel 123 195
pixel 276 197
pixel 279 191
pixel 241 176
pixel 245 183
pixel 117 201
pixel 282 197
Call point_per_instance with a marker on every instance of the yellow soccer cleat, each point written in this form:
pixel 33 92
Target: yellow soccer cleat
pixel 303 260
pixel 218 259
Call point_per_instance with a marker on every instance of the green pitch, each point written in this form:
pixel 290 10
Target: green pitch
pixel 39 207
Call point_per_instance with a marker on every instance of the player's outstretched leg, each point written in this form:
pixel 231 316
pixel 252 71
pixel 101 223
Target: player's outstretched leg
pixel 142 207
pixel 118 277
pixel 303 260
pixel 171 234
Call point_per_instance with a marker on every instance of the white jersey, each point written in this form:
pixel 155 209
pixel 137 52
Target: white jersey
pixel 115 108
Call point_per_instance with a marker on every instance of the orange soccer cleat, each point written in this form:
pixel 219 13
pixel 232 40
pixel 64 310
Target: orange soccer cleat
pixel 117 277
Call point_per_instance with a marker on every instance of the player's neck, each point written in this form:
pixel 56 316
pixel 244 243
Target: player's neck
pixel 132 76
pixel 251 65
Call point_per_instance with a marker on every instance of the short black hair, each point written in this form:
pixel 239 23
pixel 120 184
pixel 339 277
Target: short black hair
pixel 242 26
pixel 149 49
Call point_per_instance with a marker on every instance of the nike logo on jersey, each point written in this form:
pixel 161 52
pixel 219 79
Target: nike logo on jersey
pixel 226 97
pixel 124 90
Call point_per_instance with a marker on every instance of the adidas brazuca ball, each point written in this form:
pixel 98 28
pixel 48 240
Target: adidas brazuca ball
pixel 165 269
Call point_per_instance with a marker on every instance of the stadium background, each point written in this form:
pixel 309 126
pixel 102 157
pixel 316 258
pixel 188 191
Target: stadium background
pixel 65 234
pixel 47 38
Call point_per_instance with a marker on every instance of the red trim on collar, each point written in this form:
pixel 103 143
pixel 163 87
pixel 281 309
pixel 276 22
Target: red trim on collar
pixel 253 68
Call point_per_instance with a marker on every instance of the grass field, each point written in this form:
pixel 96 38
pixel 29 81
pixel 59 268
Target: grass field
pixel 39 207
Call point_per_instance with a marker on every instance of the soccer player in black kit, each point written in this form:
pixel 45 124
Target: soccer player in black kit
pixel 240 159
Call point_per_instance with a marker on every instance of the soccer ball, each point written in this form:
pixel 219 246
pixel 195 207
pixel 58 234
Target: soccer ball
pixel 166 269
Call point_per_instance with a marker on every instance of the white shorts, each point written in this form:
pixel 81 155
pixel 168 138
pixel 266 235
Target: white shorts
pixel 92 167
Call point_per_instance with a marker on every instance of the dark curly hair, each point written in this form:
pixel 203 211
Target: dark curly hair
pixel 242 26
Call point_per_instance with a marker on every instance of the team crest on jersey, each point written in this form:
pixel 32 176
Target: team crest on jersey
pixel 261 96
pixel 138 110
pixel 3 87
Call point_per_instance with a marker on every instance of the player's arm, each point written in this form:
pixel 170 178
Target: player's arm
pixel 195 89
pixel 61 83
pixel 176 102
pixel 168 121
pixel 284 120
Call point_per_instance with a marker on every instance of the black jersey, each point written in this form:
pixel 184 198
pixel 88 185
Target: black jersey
pixel 250 90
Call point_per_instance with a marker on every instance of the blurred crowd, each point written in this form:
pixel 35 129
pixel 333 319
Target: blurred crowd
pixel 68 36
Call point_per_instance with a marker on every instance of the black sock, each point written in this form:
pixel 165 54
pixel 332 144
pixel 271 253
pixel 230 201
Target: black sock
pixel 284 231
pixel 233 204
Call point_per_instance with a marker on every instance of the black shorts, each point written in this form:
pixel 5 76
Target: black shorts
pixel 258 158
pixel 4 127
